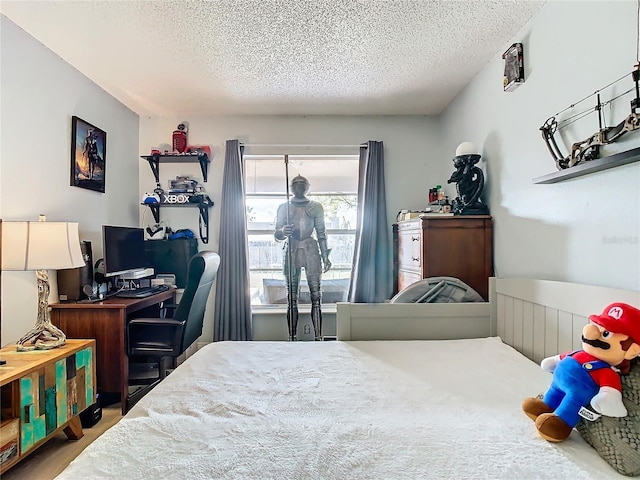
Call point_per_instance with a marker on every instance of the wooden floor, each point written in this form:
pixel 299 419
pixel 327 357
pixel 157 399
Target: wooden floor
pixel 51 458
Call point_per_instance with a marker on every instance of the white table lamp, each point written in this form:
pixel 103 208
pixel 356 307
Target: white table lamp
pixel 41 246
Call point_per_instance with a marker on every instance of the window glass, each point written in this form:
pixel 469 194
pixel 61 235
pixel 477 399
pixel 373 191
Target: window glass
pixel 334 184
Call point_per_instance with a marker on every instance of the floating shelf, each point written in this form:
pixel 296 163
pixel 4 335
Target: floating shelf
pixel 155 208
pixel 203 208
pixel 591 166
pixel 156 159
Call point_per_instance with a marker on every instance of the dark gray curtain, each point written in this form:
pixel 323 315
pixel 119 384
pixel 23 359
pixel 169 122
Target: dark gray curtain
pixel 371 280
pixel 232 319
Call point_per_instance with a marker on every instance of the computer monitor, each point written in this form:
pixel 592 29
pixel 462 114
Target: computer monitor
pixel 123 250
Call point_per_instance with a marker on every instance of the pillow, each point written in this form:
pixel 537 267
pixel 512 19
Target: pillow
pixel 617 440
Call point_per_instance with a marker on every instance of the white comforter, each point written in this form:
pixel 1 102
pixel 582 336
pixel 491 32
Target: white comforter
pixel 340 410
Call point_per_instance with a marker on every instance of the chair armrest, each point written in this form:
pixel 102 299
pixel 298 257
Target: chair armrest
pixel 155 321
pixel 154 336
pixel 168 310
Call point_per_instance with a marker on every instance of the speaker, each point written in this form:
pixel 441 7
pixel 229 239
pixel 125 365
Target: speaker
pixel 98 272
pixel 73 283
pixel 92 415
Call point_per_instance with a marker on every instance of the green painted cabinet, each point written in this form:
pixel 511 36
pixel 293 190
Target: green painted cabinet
pixel 45 391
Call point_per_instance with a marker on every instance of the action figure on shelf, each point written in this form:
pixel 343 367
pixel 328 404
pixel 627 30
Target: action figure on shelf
pixel 179 138
pixel 469 181
pixel 296 222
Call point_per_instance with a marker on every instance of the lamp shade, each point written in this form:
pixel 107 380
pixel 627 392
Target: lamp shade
pixel 40 246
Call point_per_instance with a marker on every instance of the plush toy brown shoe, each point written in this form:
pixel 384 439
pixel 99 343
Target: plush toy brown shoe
pixel 534 407
pixel 552 428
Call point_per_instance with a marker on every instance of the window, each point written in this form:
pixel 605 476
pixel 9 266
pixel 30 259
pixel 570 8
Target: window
pixel 334 183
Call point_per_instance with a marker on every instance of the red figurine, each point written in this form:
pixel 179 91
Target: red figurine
pixel 180 139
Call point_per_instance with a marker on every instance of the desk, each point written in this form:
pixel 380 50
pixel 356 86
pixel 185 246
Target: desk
pixel 42 393
pixel 106 321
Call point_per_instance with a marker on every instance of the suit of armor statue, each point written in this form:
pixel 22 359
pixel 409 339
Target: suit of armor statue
pixel 304 251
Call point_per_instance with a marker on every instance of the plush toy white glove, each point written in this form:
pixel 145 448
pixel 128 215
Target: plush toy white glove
pixel 608 401
pixel 549 364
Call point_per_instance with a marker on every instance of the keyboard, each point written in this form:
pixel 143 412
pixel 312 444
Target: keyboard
pixel 143 292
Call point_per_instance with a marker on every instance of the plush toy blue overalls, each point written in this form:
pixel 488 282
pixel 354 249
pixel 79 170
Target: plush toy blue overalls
pixel 572 387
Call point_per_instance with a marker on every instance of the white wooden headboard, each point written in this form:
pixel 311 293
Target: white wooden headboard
pixel 540 318
pixel 412 321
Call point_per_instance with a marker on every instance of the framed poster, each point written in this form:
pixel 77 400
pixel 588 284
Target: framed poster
pixel 88 155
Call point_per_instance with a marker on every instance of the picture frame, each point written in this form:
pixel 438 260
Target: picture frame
pixel 513 67
pixel 88 155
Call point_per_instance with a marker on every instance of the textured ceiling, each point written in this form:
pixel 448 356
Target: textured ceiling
pixel 345 57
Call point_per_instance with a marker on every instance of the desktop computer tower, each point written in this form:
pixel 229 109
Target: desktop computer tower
pixel 73 282
pixel 171 256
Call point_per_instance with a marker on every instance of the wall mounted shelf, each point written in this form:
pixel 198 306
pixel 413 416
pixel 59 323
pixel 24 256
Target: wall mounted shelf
pixel 203 208
pixel 156 159
pixel 591 166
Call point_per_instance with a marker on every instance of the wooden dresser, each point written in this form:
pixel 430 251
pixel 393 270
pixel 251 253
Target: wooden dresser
pixel 449 246
pixel 42 393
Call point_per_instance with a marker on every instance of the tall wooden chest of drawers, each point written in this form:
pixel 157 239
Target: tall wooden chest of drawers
pixel 449 246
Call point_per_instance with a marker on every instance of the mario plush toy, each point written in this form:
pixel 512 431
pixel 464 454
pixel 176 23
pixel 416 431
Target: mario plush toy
pixel 591 375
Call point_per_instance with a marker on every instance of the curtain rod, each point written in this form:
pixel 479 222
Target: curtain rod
pixel 301 146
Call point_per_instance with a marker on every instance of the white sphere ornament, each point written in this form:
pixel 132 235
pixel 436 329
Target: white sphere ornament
pixel 466 148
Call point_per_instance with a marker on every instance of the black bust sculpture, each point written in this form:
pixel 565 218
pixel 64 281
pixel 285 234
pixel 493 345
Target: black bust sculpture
pixel 469 181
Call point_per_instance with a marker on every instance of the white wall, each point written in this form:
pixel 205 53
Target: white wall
pixel 583 230
pixel 413 161
pixel 40 94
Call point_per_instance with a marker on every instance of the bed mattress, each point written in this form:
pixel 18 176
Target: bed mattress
pixel 439 409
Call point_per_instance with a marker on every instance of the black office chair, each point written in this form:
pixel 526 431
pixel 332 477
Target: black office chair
pixel 152 341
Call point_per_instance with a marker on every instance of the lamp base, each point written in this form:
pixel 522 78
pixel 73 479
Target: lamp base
pixel 41 337
pixel 44 335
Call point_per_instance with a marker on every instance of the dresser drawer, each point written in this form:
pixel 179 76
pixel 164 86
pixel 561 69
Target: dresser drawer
pixel 410 250
pixel 407 225
pixel 407 278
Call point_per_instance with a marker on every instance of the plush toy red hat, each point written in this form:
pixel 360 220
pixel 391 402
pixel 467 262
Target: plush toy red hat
pixel 620 318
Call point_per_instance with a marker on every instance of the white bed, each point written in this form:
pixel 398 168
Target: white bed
pixel 356 408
